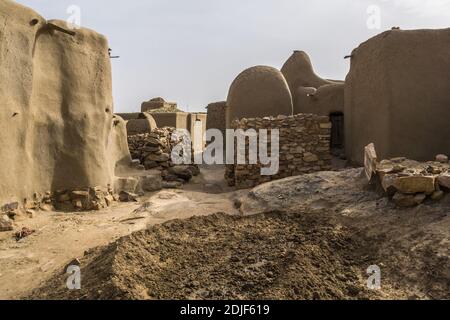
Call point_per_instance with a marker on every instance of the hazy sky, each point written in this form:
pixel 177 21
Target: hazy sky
pixel 189 51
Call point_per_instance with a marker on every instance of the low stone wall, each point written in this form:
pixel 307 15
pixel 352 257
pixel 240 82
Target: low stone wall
pixel 152 149
pixel 407 182
pixel 304 148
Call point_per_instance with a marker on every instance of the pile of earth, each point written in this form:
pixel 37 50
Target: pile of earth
pixel 267 256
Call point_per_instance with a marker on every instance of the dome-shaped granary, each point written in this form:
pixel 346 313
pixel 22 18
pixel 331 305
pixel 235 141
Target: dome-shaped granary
pixel 259 91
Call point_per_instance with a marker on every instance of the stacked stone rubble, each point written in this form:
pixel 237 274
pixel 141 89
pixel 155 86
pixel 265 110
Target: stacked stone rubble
pixel 153 149
pixel 304 147
pixel 410 183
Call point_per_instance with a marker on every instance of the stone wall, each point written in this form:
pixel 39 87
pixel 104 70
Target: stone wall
pixel 304 148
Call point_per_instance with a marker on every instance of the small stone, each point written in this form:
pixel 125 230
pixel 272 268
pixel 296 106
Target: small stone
pixel 5 224
pixel 182 172
pixel 30 213
pixel 151 183
pixel 172 184
pixel 109 200
pixel 127 184
pixel 64 197
pixel 127 197
pixel 78 195
pixel 309 157
pixel 13 206
pixel 46 207
pixel 442 158
pixel 25 232
pixel 444 180
pixel 437 195
pixel 408 200
pixel 328 125
pixel 159 158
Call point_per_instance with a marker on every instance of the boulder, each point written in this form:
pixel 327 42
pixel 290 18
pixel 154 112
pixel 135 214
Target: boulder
pixel 442 158
pixel 128 197
pixel 415 184
pixel 159 157
pixel 127 184
pixel 444 180
pixel 183 172
pixel 151 183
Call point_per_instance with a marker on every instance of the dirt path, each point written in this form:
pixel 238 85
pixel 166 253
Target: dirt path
pixel 62 237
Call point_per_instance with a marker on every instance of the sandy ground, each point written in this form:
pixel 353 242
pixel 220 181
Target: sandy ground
pixel 305 237
pixel 62 237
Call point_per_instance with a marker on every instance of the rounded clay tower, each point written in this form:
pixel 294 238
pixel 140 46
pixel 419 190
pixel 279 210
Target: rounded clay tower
pixel 259 91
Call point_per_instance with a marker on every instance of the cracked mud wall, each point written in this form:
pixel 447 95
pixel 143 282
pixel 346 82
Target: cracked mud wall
pixel 56 109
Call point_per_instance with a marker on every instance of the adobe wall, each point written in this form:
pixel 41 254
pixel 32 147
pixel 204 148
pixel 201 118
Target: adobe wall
pixel 177 120
pixel 397 95
pixel 328 95
pixel 192 119
pixel 56 119
pixel 216 118
pixel 157 103
pixel 304 148
pixel 326 100
pixel 130 116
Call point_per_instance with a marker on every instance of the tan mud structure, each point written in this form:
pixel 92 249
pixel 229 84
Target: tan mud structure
pixel 57 125
pixel 157 103
pixel 145 123
pixel 397 95
pixel 216 118
pixel 311 93
pixel 258 92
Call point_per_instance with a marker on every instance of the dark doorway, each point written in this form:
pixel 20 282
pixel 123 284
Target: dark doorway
pixel 337 130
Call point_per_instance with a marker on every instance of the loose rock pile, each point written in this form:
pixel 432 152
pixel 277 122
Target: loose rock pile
pixel 410 182
pixel 154 151
pixel 87 199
